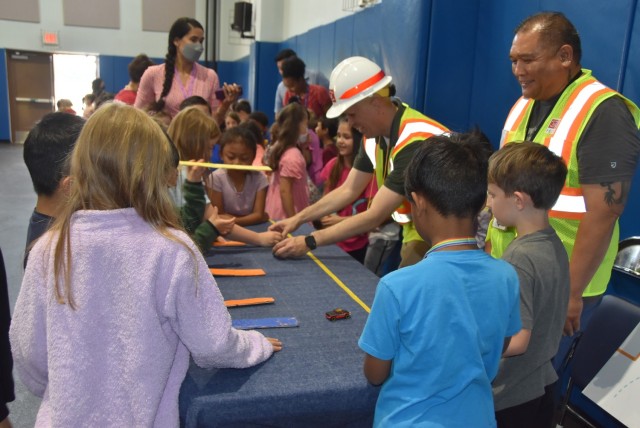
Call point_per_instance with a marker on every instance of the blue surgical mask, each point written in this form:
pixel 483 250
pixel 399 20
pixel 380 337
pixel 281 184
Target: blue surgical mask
pixel 303 138
pixel 192 51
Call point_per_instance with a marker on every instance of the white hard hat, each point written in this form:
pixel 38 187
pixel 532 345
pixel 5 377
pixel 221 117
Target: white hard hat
pixel 353 80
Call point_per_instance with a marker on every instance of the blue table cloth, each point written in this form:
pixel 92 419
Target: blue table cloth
pixel 317 379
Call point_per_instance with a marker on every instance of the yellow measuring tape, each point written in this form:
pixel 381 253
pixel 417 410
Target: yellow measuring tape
pixel 226 166
pixel 333 276
pixel 339 282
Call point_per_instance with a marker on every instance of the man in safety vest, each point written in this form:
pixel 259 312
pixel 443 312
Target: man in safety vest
pixel 360 89
pixel 595 130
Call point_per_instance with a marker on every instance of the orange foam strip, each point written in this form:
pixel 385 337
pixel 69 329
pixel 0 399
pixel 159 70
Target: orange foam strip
pixel 236 272
pixel 228 244
pixel 249 302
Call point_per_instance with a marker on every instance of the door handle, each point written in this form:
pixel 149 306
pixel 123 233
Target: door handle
pixel 34 100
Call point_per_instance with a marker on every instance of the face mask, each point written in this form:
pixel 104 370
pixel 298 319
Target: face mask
pixel 192 51
pixel 303 138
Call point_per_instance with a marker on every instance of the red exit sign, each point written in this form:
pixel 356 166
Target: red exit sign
pixel 50 38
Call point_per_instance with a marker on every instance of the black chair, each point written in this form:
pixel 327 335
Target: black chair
pixel 610 325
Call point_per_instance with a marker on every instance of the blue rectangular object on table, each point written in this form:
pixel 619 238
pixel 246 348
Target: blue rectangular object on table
pixel 253 323
pixel 316 379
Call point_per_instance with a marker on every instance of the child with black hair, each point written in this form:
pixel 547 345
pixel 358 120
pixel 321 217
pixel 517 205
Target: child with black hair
pixel 327 130
pixel 237 192
pixel 46 149
pixel 437 329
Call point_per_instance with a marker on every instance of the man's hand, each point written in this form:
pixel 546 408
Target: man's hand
pixel 291 247
pixel 285 226
pixel 572 323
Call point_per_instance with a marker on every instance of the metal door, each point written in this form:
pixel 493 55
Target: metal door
pixel 30 84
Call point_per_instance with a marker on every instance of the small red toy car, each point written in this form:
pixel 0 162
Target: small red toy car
pixel 338 314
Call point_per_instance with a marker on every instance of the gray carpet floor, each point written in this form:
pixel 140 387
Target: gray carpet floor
pixel 17 201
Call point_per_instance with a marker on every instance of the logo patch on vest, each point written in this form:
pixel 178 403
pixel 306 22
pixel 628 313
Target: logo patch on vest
pixel 613 165
pixel 553 125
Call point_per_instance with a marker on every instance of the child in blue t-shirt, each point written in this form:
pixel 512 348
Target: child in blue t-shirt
pixel 437 329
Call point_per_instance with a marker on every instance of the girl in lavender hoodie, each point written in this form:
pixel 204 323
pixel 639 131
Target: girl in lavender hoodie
pixel 116 296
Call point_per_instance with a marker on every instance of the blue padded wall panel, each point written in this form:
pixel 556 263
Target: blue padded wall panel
pixel 394 34
pixel 5 126
pixel 114 71
pixel 494 87
pixel 450 64
pixel 308 48
pixel 343 40
pixel 630 86
pixel 263 77
pixel 235 72
pixel 326 53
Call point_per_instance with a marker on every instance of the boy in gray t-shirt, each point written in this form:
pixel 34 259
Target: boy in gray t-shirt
pixel 525 180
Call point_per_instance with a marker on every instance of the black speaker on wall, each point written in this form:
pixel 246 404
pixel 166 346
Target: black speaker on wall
pixel 242 16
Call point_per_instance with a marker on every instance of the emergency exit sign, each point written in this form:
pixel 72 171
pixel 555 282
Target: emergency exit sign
pixel 50 38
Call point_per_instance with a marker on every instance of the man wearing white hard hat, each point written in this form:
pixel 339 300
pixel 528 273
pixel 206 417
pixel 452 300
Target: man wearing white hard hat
pixel 360 89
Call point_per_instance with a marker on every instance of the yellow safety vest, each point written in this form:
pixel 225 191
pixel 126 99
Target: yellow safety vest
pixel 414 126
pixel 561 132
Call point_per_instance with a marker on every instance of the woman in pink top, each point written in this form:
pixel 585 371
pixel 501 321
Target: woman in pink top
pixel 288 192
pixel 335 173
pixel 163 87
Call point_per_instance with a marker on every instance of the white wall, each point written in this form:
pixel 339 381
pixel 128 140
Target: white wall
pixel 302 15
pixel 275 21
pixel 129 40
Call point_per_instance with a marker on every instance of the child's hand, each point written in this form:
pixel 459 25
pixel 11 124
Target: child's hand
pixel 223 224
pixel 269 239
pixel 330 220
pixel 195 173
pixel 277 345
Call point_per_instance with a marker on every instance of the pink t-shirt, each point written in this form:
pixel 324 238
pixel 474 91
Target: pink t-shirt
pixel 291 165
pixel 203 82
pixel 358 206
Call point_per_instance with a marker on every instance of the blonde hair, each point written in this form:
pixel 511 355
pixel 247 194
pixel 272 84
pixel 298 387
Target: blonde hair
pixel 191 130
pixel 122 159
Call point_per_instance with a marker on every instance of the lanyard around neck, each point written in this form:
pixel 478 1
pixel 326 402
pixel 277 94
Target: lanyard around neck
pixel 192 80
pixel 451 243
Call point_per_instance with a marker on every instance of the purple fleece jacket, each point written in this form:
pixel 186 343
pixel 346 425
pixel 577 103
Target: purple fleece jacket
pixel 143 304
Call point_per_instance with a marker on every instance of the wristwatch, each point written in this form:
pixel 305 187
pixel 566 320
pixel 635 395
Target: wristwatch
pixel 311 242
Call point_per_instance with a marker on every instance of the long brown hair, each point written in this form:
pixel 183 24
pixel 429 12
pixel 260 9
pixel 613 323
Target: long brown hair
pixel 122 159
pixel 288 130
pixel 341 161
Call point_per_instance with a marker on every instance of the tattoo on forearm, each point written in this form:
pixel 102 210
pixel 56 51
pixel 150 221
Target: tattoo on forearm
pixel 612 196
